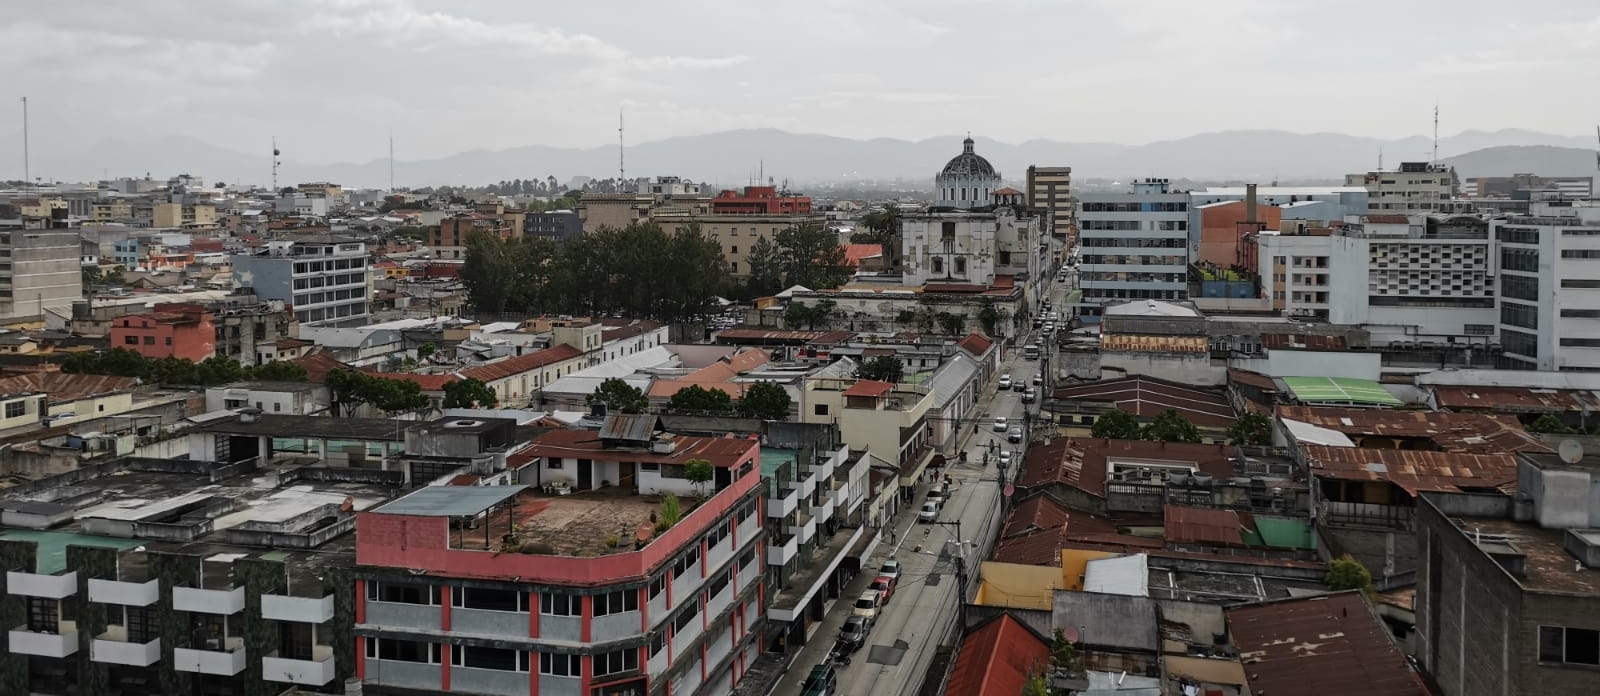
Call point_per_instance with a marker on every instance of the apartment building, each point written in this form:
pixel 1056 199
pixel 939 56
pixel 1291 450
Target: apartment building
pixel 324 277
pixel 1415 188
pixel 1412 279
pixel 39 272
pixel 1294 270
pixel 1507 600
pixel 449 239
pixel 552 224
pixel 618 210
pixel 247 329
pixel 760 200
pixel 302 204
pixel 814 511
pixel 737 234
pixel 1135 244
pixel 578 581
pixel 186 331
pixel 1049 193
pixel 1568 187
pixel 888 420
pixel 183 215
pixel 1549 288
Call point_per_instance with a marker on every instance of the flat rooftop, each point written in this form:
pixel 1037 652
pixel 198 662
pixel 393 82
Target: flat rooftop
pixel 1550 567
pixel 583 523
pixel 309 427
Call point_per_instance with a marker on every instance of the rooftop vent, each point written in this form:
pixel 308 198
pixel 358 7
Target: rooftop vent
pixel 463 423
pixel 1505 553
pixel 1585 545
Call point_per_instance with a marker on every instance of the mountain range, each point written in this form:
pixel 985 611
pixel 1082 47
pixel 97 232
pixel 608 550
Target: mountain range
pixel 732 158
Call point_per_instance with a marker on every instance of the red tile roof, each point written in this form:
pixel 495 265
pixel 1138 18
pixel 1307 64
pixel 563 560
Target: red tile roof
pixel 1450 432
pixel 318 364
pixel 1206 525
pixel 1007 191
pixel 428 383
pixel 1413 470
pixel 1252 379
pixel 869 387
pixel 997 658
pixel 1386 219
pixel 523 363
pixel 1328 645
pixel 1147 398
pixel 975 343
pixel 1081 462
pixel 855 253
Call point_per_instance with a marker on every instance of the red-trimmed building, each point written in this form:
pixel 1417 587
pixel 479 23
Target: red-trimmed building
pixel 759 200
pixel 168 331
pixel 569 584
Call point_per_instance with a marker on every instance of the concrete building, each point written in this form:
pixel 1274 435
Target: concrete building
pixel 1294 270
pixel 1410 279
pixel 246 326
pixel 968 248
pixel 1338 201
pixel 302 204
pixel 967 181
pixel 1049 191
pixel 183 215
pixel 1549 294
pixel 1417 188
pixel 168 331
pixel 760 200
pixel 575 584
pixel 737 234
pixel 814 513
pixel 1225 225
pixel 552 224
pixel 39 273
pixel 324 277
pixel 449 239
pixel 283 398
pixel 1135 245
pixel 1509 586
pixel 1568 187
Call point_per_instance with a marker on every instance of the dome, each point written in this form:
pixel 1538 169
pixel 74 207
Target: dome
pixel 969 163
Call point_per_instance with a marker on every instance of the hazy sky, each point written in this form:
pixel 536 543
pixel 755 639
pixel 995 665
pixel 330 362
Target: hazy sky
pixel 331 78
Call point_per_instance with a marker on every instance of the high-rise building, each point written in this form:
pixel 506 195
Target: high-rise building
pixel 1549 294
pixel 324 277
pixel 39 271
pixel 1413 278
pixel 1415 188
pixel 1050 194
pixel 1135 244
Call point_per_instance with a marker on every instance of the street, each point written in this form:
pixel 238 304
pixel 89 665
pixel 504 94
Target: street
pixel 918 619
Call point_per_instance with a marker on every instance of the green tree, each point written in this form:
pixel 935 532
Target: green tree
pixel 1171 426
pixel 699 400
pixel 1036 685
pixel 1251 429
pixel 489 273
pixel 1550 425
pixel 620 396
pixel 951 324
pixel 1347 573
pixel 469 393
pixel 280 371
pixel 811 256
pixel 765 268
pixel 881 225
pixel 351 389
pixel 765 400
pixel 698 472
pixel 426 350
pixel 884 368
pixel 1115 424
pixel 670 512
pixel 990 316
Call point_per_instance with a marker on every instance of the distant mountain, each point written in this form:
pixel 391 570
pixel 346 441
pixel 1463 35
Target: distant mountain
pixel 733 158
pixel 1544 160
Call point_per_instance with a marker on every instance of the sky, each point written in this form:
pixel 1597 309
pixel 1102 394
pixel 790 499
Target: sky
pixel 332 79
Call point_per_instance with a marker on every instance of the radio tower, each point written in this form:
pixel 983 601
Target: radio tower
pixel 275 163
pixel 1436 132
pixel 622 169
pixel 27 171
pixel 391 162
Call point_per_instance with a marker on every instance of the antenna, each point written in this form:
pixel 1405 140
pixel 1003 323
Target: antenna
pixel 761 171
pixel 622 169
pixel 1435 133
pixel 1380 158
pixel 275 163
pixel 27 171
pixel 391 161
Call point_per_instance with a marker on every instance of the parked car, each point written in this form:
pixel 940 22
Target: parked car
pixel 821 682
pixel 885 588
pixel 938 494
pixel 1019 385
pixel 1015 435
pixel 1005 381
pixel 1000 424
pixel 1038 380
pixel 1029 396
pixel 854 634
pixel 1005 457
pixel 928 513
pixel 890 569
pixel 867 605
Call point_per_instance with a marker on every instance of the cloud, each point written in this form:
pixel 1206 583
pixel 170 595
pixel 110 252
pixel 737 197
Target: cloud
pixel 95 56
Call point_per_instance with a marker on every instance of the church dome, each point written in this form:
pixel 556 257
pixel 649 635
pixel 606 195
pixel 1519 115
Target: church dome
pixel 968 163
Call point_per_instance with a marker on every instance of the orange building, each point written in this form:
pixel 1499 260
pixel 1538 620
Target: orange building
pixel 1222 225
pixel 760 200
pixel 168 331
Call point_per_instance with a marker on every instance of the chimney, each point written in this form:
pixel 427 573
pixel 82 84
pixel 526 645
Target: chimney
pixel 1250 203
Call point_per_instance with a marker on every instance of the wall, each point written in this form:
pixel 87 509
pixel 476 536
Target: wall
pixel 1185 368
pixel 1300 363
pixel 1219 230
pixel 33 411
pixel 96 406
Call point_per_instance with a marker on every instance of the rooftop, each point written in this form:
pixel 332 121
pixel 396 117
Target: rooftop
pixel 510 367
pixel 996 658
pixel 1550 567
pixel 1413 470
pixel 308 427
pixel 1515 399
pixel 1479 433
pixel 1084 463
pixel 63 387
pixel 1339 390
pixel 1123 623
pixel 1146 397
pixel 975 343
pixel 869 388
pixel 1328 645
pixel 451 501
pixel 1151 308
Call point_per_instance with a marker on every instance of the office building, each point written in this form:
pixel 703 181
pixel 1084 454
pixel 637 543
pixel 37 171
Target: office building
pixel 1568 187
pixel 1410 279
pixel 760 200
pixel 1549 293
pixel 324 277
pixel 1135 244
pixel 1049 191
pixel 1415 188
pixel 738 234
pixel 579 582
pixel 552 224
pixel 815 511
pixel 183 215
pixel 39 272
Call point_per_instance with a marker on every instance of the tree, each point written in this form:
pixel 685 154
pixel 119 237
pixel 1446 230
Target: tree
pixel 280 371
pixel 1251 429
pixel 884 368
pixel 469 393
pixel 1550 425
pixel 698 472
pixel 699 400
pixel 620 396
pixel 810 255
pixel 1171 426
pixel 1116 424
pixel 426 350
pixel 765 268
pixel 765 400
pixel 951 324
pixel 351 389
pixel 990 316
pixel 1347 573
pixel 1036 685
pixel 670 513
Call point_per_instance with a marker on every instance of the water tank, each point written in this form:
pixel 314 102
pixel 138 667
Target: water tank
pixel 1202 480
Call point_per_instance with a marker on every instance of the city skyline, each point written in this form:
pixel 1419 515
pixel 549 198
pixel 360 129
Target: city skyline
pixel 336 78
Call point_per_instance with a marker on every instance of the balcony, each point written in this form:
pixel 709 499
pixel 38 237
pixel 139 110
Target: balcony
pixel 804 527
pixel 840 494
pixel 114 648
pixel 60 644
pixel 405 674
pixel 301 609
pixel 218 602
pixel 780 507
pixel 806 485
pixel 317 671
pixel 227 660
pixel 403 615
pixel 43 586
pixel 823 510
pixel 498 682
pixel 780 552
pixel 128 594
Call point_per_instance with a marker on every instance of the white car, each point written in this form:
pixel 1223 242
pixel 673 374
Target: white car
pixel 1000 424
pixel 1015 435
pixel 1005 457
pixel 1005 382
pixel 929 513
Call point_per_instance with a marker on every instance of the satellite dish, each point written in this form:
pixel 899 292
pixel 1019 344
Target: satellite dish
pixel 1571 451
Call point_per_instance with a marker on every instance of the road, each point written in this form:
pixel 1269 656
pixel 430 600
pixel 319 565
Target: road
pixel 910 629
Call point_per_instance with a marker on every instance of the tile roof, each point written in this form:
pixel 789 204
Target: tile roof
pixel 1147 398
pixel 855 253
pixel 869 387
pixel 638 328
pixel 1413 470
pixel 428 383
pixel 1038 528
pixel 975 343
pixel 1521 399
pixel 1386 219
pixel 1252 379
pixel 61 387
pixel 1449 432
pixel 511 367
pixel 996 659
pixel 769 335
pixel 1328 645
pixel 1206 525
pixel 718 375
pixel 1081 462
pixel 318 364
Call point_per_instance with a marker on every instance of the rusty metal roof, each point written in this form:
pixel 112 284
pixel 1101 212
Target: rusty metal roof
pixel 1303 341
pixel 1252 379
pixel 1521 399
pixel 1450 432
pixel 1413 470
pixel 1206 525
pixel 1328 645
pixel 1081 462
pixel 1146 397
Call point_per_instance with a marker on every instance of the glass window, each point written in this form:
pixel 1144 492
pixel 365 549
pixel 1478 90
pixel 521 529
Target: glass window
pixel 624 660
pixel 479 657
pixel 558 665
pixel 559 604
pixel 616 602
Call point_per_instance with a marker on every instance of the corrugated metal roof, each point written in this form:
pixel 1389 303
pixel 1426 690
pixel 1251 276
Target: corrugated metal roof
pixel 1450 432
pixel 950 378
pixel 450 501
pixel 1123 575
pixel 1518 398
pixel 996 659
pixel 1413 470
pixel 632 427
pixel 1328 645
pixel 1206 525
pixel 1147 398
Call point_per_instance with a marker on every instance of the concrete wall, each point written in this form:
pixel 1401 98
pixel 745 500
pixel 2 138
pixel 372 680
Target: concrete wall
pixel 1186 368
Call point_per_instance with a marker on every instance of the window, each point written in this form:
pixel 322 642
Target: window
pixel 558 665
pixel 169 340
pixel 1573 646
pixel 1580 283
pixel 1524 344
pixel 477 657
pixel 1514 259
pixel 489 599
pixel 16 409
pixel 616 602
pixel 141 624
pixel 688 560
pixel 625 660
pixel 658 584
pixel 1580 253
pixel 1519 235
pixel 1580 343
pixel 149 340
pixel 130 340
pixel 404 650
pixel 44 615
pixel 1520 287
pixel 552 604
pixel 1520 315
pixel 402 592
pixel 1565 314
pixel 691 613
pixel 733 249
pixel 717 534
pixel 718 584
pixel 819 410
pixel 746 557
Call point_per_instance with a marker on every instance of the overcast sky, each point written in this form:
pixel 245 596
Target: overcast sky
pixel 332 78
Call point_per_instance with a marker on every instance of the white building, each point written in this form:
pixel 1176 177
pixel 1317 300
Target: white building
pixel 1296 202
pixel 967 181
pixel 324 277
pixel 1135 245
pixel 968 248
pixel 1418 187
pixel 1549 295
pixel 40 272
pixel 302 204
pixel 1412 279
pixel 1294 272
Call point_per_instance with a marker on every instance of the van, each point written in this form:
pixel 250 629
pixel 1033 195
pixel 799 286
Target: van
pixel 1031 352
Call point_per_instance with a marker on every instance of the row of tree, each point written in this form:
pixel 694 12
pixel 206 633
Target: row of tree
pixel 1251 429
pixel 214 370
pixel 763 400
pixel 808 255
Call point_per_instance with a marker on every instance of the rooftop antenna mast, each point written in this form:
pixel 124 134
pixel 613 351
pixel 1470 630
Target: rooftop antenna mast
pixel 1380 158
pixel 275 163
pixel 622 169
pixel 1597 152
pixel 1435 132
pixel 27 171
pixel 391 161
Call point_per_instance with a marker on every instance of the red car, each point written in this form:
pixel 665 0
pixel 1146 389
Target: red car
pixel 884 586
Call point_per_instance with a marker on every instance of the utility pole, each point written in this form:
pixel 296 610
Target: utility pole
pixel 391 161
pixel 27 170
